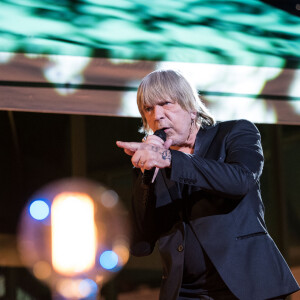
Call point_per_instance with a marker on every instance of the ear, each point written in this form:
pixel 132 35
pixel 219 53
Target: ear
pixel 193 115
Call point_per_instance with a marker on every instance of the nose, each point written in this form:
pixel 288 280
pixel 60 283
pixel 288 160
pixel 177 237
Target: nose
pixel 158 112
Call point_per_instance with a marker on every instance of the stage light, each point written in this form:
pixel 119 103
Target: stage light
pixel 39 209
pixel 108 260
pixel 73 233
pixel 74 236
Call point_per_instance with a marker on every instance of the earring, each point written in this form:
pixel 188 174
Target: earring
pixel 192 122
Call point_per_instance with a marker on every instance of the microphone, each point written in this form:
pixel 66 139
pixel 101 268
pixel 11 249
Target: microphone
pixel 148 174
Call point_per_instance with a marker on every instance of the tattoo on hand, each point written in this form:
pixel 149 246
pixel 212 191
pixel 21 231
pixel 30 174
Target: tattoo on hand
pixel 166 155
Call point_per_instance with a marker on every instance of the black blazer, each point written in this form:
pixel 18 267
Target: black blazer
pixel 225 210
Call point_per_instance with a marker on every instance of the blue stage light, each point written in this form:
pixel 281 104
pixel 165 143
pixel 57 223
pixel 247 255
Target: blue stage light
pixel 108 260
pixel 87 287
pixel 39 209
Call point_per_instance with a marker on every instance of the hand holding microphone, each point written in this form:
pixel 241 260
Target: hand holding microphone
pixel 149 175
pixel 149 156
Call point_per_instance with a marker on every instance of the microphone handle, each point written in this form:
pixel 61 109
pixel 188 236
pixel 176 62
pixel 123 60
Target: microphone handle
pixel 148 174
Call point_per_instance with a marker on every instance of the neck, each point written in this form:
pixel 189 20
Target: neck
pixel 188 146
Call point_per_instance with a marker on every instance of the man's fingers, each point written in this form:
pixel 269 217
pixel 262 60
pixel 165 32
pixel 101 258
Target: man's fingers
pixel 154 140
pixel 146 156
pixel 128 152
pixel 168 143
pixel 129 146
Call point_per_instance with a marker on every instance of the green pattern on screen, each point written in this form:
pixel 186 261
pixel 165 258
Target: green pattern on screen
pixel 237 32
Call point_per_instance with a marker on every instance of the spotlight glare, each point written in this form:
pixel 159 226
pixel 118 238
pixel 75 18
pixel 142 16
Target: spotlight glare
pixel 39 210
pixel 82 240
pixel 108 260
pixel 73 233
pixel 87 287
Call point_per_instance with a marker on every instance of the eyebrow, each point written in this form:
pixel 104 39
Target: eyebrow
pixel 159 102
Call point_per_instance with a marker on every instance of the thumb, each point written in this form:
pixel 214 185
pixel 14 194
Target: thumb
pixel 168 143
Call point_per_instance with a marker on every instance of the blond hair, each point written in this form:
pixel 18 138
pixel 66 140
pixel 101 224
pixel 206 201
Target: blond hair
pixel 172 85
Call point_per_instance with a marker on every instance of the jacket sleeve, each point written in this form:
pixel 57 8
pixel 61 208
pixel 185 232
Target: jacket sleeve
pixel 232 175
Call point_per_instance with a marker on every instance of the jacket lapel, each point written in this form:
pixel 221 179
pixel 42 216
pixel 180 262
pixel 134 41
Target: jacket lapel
pixel 204 139
pixel 166 190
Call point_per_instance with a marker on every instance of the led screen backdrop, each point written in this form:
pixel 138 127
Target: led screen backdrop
pixel 88 57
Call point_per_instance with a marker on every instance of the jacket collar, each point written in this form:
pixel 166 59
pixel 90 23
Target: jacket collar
pixel 204 138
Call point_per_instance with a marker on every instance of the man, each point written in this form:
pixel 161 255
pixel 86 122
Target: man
pixel 203 206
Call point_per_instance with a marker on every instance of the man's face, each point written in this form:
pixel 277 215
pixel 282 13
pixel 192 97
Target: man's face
pixel 170 116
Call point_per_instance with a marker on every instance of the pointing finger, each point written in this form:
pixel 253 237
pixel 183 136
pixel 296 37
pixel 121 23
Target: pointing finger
pixel 130 146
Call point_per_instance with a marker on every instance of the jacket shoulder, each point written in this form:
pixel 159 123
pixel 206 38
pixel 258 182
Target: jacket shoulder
pixel 240 123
